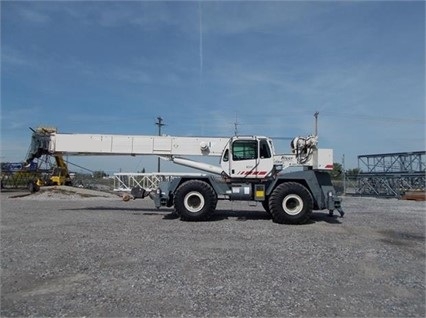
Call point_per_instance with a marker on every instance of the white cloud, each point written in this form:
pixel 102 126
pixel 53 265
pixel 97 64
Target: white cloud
pixel 14 58
pixel 233 18
pixel 32 15
pixel 19 117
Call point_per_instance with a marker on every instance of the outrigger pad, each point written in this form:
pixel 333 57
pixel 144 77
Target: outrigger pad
pixel 330 212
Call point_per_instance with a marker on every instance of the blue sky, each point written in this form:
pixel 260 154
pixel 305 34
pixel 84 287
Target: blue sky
pixel 113 67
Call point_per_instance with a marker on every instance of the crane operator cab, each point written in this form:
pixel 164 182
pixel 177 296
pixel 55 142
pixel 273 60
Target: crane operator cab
pixel 248 157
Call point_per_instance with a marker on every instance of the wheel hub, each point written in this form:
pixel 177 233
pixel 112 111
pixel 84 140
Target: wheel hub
pixel 194 201
pixel 293 204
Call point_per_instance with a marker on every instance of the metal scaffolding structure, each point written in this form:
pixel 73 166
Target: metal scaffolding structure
pixel 391 174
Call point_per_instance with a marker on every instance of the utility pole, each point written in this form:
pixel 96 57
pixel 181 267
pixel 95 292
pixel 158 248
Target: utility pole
pixel 160 124
pixel 344 174
pixel 316 123
pixel 236 124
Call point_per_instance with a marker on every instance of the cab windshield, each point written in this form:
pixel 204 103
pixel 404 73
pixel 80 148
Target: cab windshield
pixel 244 150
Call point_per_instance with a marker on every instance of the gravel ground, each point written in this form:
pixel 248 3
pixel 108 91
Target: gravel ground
pixel 68 255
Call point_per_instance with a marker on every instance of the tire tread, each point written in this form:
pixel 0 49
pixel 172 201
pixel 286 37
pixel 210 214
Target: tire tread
pixel 277 196
pixel 209 196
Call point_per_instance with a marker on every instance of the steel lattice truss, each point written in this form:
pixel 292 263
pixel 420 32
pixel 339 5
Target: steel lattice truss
pixel 391 174
pixel 126 181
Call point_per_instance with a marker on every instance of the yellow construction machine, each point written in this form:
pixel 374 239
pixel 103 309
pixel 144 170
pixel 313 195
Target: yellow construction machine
pixel 58 175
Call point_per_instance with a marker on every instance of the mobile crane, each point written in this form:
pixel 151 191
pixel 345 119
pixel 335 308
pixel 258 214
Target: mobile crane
pixel 249 170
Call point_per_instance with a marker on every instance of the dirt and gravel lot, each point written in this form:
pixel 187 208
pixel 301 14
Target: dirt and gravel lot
pixel 67 255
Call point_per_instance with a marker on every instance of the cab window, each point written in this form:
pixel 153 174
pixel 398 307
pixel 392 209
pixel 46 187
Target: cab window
pixel 244 150
pixel 264 149
pixel 226 156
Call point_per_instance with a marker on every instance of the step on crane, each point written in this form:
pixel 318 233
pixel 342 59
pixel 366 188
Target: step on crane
pixel 249 170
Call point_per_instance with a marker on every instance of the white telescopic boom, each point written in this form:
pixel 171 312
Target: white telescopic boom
pixel 87 144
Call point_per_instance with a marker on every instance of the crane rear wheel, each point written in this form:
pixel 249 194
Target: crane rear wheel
pixel 195 200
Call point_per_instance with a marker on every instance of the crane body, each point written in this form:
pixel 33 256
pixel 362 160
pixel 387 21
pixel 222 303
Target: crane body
pixel 249 170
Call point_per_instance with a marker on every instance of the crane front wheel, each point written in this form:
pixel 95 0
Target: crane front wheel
pixel 265 204
pixel 195 200
pixel 291 203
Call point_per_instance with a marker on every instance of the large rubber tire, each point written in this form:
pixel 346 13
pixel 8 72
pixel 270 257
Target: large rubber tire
pixel 291 203
pixel 195 200
pixel 33 187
